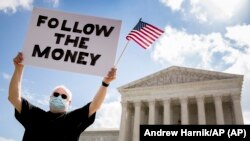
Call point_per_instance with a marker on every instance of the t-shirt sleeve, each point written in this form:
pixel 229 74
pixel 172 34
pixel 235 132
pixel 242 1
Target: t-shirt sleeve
pixel 80 117
pixel 27 113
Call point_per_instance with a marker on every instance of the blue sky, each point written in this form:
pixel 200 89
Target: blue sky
pixel 203 34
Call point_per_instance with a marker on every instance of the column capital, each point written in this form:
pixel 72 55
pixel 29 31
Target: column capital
pixel 151 100
pixel 236 97
pixel 124 103
pixel 183 99
pixel 217 97
pixel 200 97
pixel 137 102
pixel 165 99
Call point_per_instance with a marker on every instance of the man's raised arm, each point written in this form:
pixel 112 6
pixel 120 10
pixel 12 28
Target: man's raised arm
pixel 15 83
pixel 101 93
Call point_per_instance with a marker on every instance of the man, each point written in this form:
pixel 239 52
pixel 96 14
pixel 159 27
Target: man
pixel 56 124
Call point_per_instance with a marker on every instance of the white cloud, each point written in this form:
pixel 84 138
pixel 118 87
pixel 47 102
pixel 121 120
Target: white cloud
pixel 246 117
pixel 240 34
pixel 6 76
pixel 175 5
pixel 208 10
pixel 197 50
pixel 11 6
pixel 5 139
pixel 209 51
pixel 215 9
pixel 241 65
pixel 109 114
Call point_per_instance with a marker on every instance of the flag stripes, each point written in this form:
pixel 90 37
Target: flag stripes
pixel 144 34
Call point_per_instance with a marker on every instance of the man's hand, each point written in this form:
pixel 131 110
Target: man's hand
pixel 18 60
pixel 110 76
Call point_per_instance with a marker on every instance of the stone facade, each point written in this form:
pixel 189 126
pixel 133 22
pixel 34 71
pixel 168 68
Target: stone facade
pixel 100 135
pixel 179 95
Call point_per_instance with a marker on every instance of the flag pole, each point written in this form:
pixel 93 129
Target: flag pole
pixel 123 50
pixel 121 54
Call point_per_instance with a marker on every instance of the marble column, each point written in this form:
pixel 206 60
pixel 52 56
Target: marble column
pixel 184 111
pixel 166 111
pixel 124 125
pixel 201 110
pixel 151 119
pixel 137 105
pixel 237 109
pixel 219 110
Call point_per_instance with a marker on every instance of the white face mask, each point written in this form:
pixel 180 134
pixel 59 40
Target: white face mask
pixel 57 104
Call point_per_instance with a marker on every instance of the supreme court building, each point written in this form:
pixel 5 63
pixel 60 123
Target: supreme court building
pixel 176 95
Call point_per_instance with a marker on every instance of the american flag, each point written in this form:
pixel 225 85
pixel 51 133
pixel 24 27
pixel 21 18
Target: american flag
pixel 144 34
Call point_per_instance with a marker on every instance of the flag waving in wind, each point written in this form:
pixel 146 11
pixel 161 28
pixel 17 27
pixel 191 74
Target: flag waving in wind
pixel 144 34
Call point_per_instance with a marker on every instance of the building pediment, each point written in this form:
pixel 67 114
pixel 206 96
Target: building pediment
pixel 178 75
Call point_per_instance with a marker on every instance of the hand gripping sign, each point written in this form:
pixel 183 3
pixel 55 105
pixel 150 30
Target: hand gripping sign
pixel 71 42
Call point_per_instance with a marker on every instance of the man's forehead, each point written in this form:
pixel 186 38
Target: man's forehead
pixel 61 90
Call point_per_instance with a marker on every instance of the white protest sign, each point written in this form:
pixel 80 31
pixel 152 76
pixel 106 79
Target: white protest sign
pixel 71 42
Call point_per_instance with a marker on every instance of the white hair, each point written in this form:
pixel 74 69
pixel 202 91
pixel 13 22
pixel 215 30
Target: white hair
pixel 65 89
